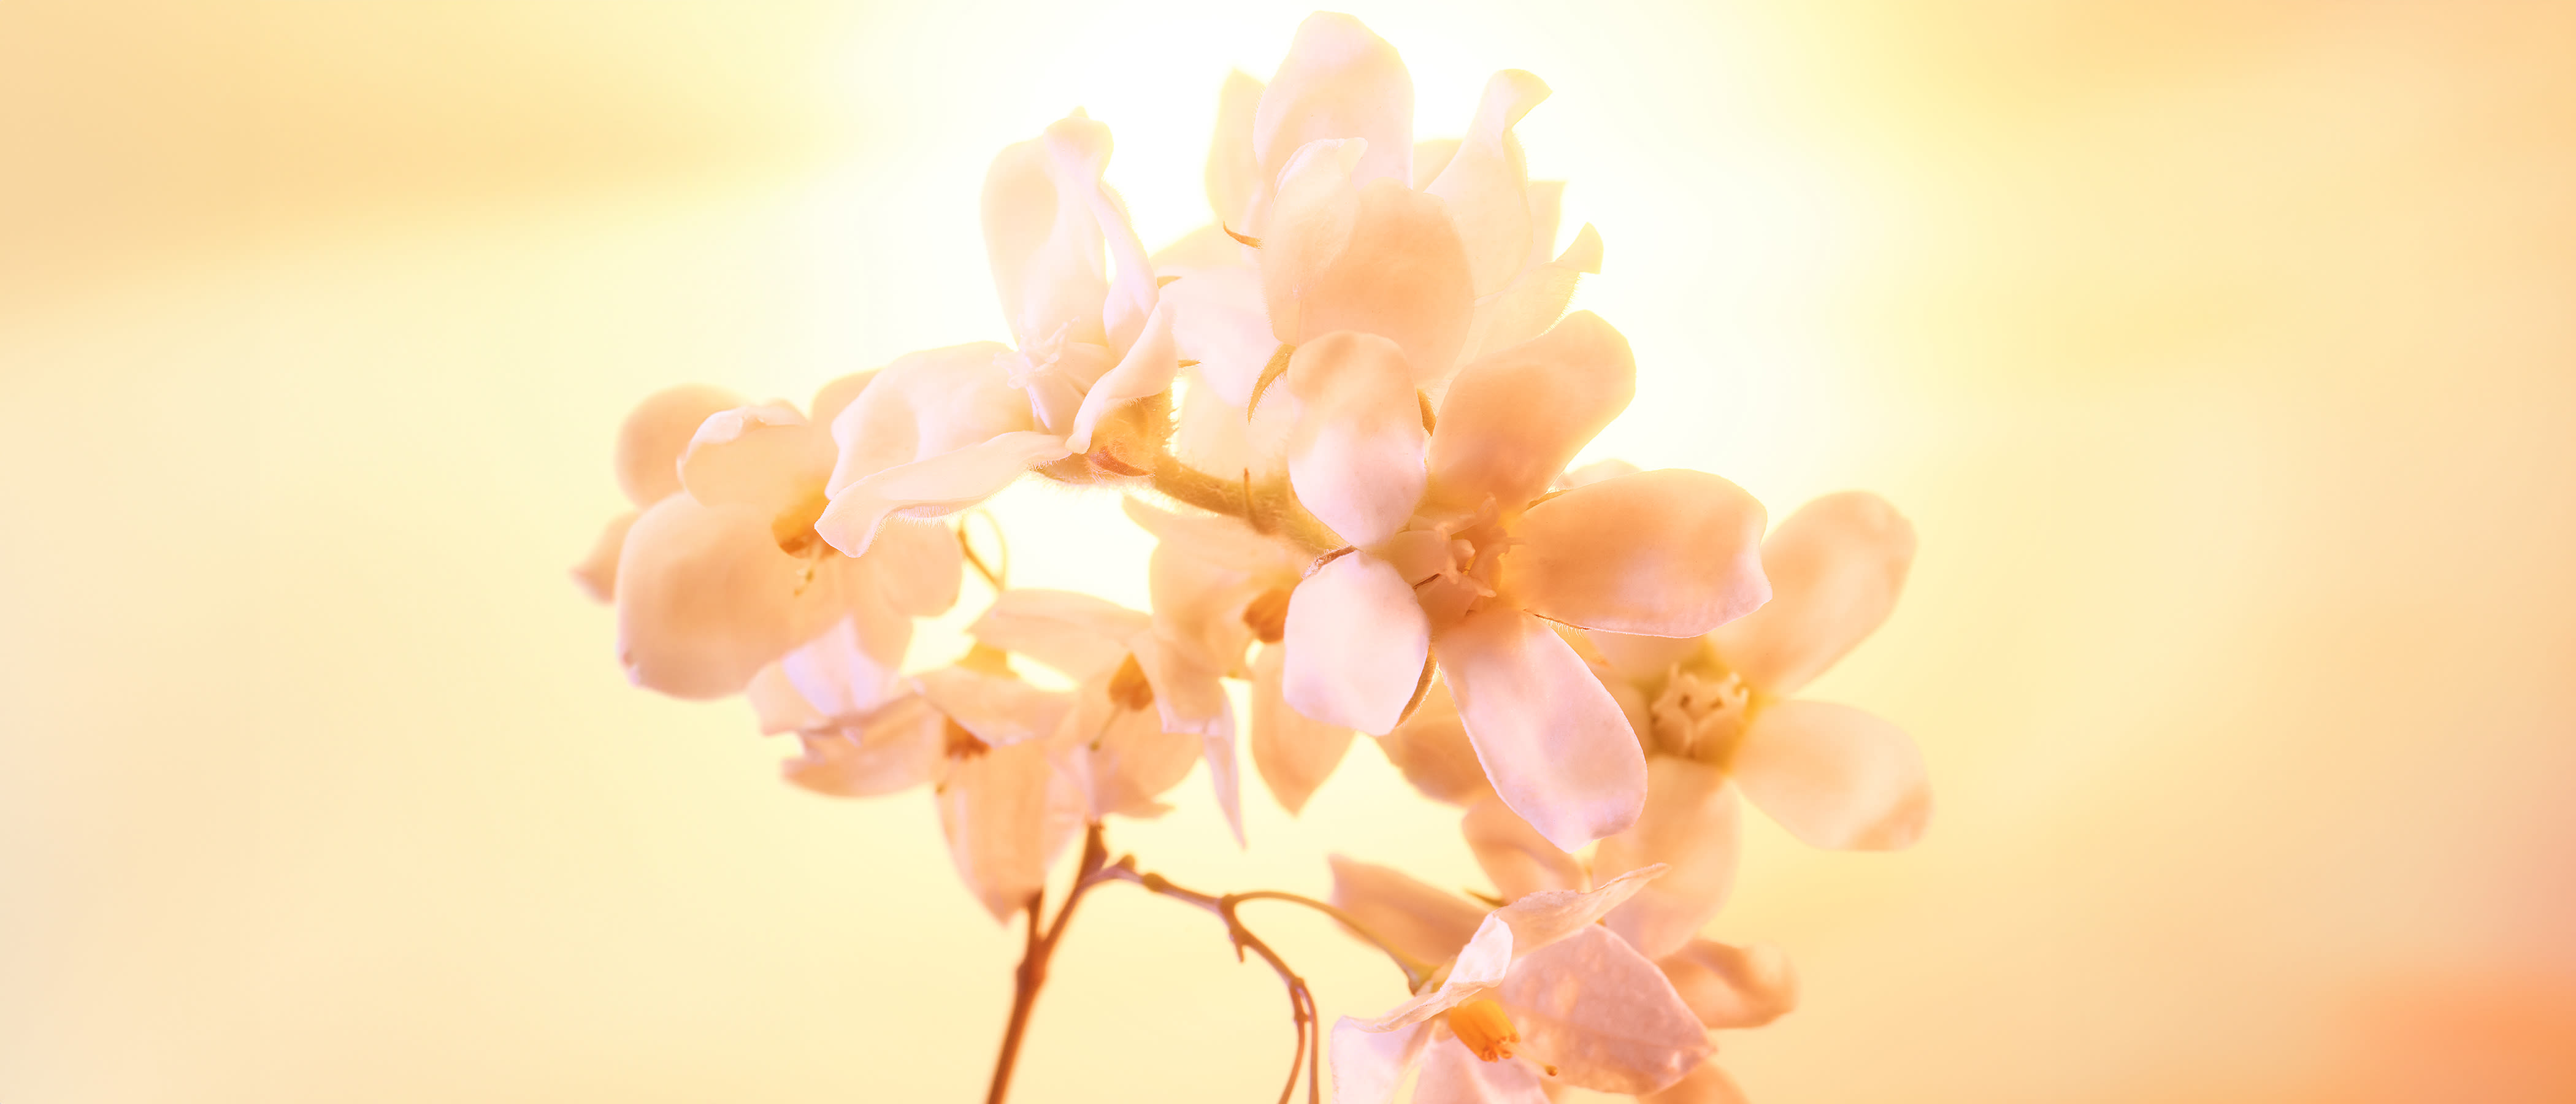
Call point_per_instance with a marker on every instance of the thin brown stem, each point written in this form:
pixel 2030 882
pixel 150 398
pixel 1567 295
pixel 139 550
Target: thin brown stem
pixel 1032 973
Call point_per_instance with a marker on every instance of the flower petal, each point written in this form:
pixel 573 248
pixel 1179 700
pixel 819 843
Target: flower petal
pixel 1356 643
pixel 1355 454
pixel 1453 1075
pixel 777 706
pixel 1044 244
pixel 1147 370
pixel 1080 148
pixel 924 404
pixel 1537 298
pixel 1486 182
pixel 1512 420
pixel 1602 1014
pixel 1690 826
pixel 1478 968
pixel 836 396
pixel 650 440
pixel 1218 320
pixel 1835 776
pixel 942 484
pixel 1338 81
pixel 1075 633
pixel 1401 273
pixel 1128 759
pixel 1192 699
pixel 998 709
pixel 1428 923
pixel 1368 1065
pixel 1233 169
pixel 895 749
pixel 1673 552
pixel 916 565
pixel 597 571
pixel 1732 987
pixel 1544 917
pixel 1432 750
pixel 1552 740
pixel 1836 567
pixel 705 598
pixel 1704 1084
pixel 1293 754
pixel 1006 812
pixel 767 457
pixel 855 667
pixel 1514 855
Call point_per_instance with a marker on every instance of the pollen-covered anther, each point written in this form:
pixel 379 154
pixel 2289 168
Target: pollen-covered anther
pixel 1128 687
pixel 1267 615
pixel 1484 1029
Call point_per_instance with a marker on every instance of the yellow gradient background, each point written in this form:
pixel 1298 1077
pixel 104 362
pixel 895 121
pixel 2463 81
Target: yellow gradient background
pixel 2224 355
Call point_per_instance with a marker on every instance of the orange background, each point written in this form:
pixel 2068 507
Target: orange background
pixel 2223 353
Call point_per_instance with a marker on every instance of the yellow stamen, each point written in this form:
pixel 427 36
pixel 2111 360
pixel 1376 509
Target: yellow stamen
pixel 1128 687
pixel 1484 1029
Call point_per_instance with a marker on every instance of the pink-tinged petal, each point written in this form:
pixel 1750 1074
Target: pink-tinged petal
pixel 1338 81
pixel 1428 923
pixel 836 396
pixel 998 709
pixel 1401 274
pixel 1369 1065
pixel 855 667
pixel 1552 740
pixel 1293 754
pixel 1355 456
pixel 1233 169
pixel 1125 758
pixel 597 572
pixel 650 440
pixel 1147 370
pixel 705 598
pixel 1549 915
pixel 1603 1015
pixel 1836 567
pixel 1672 552
pixel 767 457
pixel 1006 812
pixel 894 749
pixel 1514 855
pixel 1308 224
pixel 1835 776
pixel 1191 699
pixel 777 705
pixel 1704 1084
pixel 1218 320
pixel 1537 299
pixel 1690 826
pixel 1732 987
pixel 1432 750
pixel 1512 420
pixel 1044 244
pixel 1198 606
pixel 1356 644
pixel 925 404
pixel 1080 148
pixel 916 565
pixel 1646 657
pixel 1486 183
pixel 1453 1075
pixel 1480 966
pixel 1075 633
pixel 942 484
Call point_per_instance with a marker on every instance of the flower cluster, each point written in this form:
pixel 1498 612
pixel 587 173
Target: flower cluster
pixel 1347 413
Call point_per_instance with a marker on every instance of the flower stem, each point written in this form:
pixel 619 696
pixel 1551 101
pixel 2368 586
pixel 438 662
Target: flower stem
pixel 1032 972
pixel 1269 509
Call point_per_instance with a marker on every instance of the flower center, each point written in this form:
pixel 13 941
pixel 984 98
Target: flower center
pixel 1484 1029
pixel 793 528
pixel 1699 714
pixel 1452 564
pixel 1268 615
pixel 1128 687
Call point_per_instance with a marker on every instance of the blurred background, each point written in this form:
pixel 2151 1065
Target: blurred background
pixel 2223 353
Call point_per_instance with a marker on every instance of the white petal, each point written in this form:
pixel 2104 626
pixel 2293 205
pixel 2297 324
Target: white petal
pixel 854 667
pixel 1537 299
pixel 1338 81
pixel 895 749
pixel 1428 923
pixel 1513 419
pixel 1705 1084
pixel 597 571
pixel 767 457
pixel 1836 567
pixel 650 440
pixel 998 709
pixel 942 484
pixel 1369 1065
pixel 705 598
pixel 1645 657
pixel 1661 553
pixel 1355 454
pixel 836 396
pixel 1147 370
pixel 1044 244
pixel 1080 148
pixel 1453 1075
pixel 1356 643
pixel 925 404
pixel 1006 812
pixel 1690 826
pixel 1401 273
pixel 1432 750
pixel 1218 319
pixel 1732 987
pixel 1479 967
pixel 1233 169
pixel 1549 915
pixel 1431 158
pixel 1128 759
pixel 1192 699
pixel 1602 1014
pixel 777 706
pixel 1075 633
pixel 916 566
pixel 1219 539
pixel 1514 855
pixel 1486 183
pixel 1554 743
pixel 1835 776
pixel 1293 753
